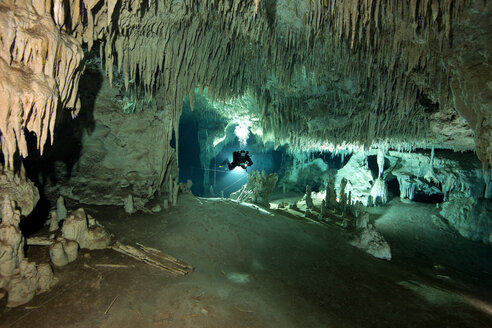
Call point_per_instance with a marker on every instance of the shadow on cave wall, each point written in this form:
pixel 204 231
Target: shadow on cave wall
pixel 66 148
pixel 67 143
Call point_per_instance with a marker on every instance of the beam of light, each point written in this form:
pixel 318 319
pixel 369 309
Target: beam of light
pixel 238 171
pixel 242 132
pixel 233 180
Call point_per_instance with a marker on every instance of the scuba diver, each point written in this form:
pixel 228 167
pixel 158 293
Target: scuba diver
pixel 239 158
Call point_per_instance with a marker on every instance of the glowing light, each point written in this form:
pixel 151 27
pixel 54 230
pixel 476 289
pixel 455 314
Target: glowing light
pixel 242 132
pixel 238 171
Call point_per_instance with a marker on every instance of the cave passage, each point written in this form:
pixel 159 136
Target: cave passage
pixel 368 203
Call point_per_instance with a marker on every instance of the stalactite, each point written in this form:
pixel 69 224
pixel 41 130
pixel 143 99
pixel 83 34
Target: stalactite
pixel 38 74
pixel 382 47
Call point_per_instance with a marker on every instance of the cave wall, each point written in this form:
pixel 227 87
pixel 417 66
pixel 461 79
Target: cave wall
pixel 121 152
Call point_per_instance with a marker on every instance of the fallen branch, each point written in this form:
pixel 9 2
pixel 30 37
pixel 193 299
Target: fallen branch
pixel 110 305
pixel 114 266
pixel 155 258
pixel 243 310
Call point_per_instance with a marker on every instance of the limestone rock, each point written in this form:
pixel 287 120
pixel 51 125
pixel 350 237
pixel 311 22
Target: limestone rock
pixel 358 177
pixel 109 166
pixel 23 285
pixel 54 222
pixel 46 278
pixel 186 187
pixel 76 228
pixel 472 218
pixel 18 277
pixel 58 255
pixel 71 248
pixel 63 251
pixel 23 191
pixel 61 210
pixel 362 221
pixel 11 240
pixel 39 70
pixel 373 243
pixel 309 200
pixel 258 188
pixel 379 192
pixel 156 209
pixel 98 238
pixel 128 204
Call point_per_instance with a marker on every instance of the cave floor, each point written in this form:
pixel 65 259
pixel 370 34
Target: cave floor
pixel 253 269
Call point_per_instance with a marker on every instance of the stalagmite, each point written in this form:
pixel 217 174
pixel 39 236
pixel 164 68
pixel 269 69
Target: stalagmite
pixel 63 251
pixel 76 228
pixel 322 210
pixel 309 200
pixel 61 210
pixel 58 255
pixel 19 277
pixel 379 192
pixel 53 222
pixel 128 205
pixel 407 187
pixel 380 161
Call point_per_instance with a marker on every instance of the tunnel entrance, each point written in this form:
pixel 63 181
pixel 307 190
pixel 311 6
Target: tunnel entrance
pixel 189 152
pixel 207 140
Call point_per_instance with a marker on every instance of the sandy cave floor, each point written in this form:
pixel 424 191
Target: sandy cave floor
pixel 258 270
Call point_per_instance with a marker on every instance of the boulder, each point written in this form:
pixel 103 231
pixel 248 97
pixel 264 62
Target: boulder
pixel 372 242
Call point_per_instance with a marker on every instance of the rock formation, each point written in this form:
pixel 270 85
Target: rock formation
pixel 19 277
pixel 372 242
pixel 88 235
pixel 258 188
pixel 64 251
pixel 39 70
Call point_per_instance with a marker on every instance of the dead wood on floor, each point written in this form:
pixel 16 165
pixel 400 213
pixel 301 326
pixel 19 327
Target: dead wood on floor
pixel 155 258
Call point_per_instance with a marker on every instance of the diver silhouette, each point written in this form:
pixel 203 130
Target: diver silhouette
pixel 239 158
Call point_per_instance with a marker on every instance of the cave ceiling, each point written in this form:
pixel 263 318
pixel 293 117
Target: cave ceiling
pixel 322 73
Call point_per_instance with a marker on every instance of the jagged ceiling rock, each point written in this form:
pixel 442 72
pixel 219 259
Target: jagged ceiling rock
pixel 324 72
pixel 39 70
pixel 375 71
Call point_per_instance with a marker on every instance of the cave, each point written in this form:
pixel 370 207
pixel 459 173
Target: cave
pixel 245 163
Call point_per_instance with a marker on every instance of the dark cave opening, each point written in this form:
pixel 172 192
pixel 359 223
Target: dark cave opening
pixel 189 153
pixel 393 186
pixel 423 197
